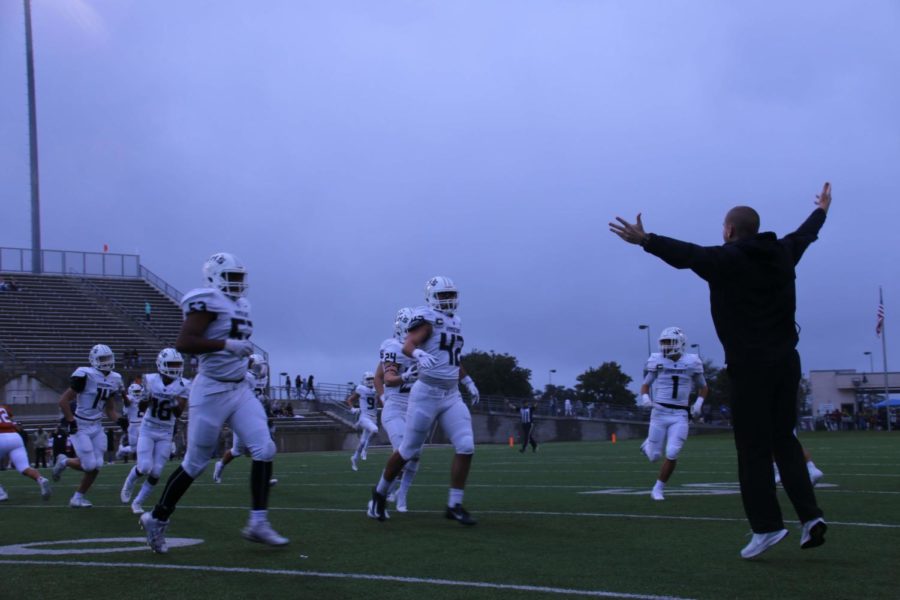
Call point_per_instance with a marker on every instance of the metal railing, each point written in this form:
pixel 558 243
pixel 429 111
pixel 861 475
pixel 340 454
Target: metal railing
pixel 160 284
pixel 71 262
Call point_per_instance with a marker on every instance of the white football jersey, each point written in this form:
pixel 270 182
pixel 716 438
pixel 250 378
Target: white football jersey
pixel 391 352
pixel 232 322
pixel 162 399
pixel 133 411
pixel 672 381
pixel 368 401
pixel 94 390
pixel 445 343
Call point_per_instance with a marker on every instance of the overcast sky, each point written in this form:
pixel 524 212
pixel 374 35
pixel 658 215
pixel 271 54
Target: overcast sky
pixel 348 151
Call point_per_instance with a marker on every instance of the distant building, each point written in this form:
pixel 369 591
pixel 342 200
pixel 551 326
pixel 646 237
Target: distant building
pixel 847 390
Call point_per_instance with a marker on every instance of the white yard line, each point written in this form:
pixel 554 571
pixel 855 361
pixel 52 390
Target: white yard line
pixel 535 513
pixel 357 576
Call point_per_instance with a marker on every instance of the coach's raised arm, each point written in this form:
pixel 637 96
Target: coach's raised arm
pixel 753 304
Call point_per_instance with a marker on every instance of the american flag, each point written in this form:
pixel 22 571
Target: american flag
pixel 879 322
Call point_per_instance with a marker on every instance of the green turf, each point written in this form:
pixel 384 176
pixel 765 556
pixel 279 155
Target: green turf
pixel 535 528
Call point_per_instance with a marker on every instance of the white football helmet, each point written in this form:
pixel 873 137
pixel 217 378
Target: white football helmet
pixel 672 342
pixel 441 294
pixel 369 379
pixel 259 368
pixel 227 273
pixel 135 392
pixel 170 363
pixel 401 322
pixel 102 358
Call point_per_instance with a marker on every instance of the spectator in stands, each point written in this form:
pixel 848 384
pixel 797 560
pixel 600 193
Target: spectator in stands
pixel 298 383
pixel 288 410
pixel 287 385
pixel 8 286
pixel 41 441
pixel 567 404
pixel 147 309
pixel 310 389
pixel 60 437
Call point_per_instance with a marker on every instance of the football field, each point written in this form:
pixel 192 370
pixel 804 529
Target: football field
pixel 572 520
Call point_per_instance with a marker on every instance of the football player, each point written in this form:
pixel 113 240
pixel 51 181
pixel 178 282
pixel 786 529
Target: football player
pixel 671 373
pixel 163 399
pixel 364 402
pixel 394 377
pixel 434 340
pixel 93 389
pixel 217 327
pixel 129 442
pixel 258 377
pixel 11 445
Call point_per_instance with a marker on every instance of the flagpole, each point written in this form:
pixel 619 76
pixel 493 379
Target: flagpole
pixel 887 393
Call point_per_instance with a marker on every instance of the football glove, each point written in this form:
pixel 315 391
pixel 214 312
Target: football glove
pixel 354 411
pixel 122 422
pixel 72 426
pixel 644 401
pixel 411 374
pixel 425 360
pixel 698 405
pixel 473 391
pixel 241 348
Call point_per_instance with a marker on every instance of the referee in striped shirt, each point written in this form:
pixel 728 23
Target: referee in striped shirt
pixel 526 412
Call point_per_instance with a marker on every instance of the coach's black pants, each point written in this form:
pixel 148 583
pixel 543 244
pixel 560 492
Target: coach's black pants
pixel 764 415
pixel 526 436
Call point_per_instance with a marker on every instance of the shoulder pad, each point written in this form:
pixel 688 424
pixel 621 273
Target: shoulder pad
pixel 694 362
pixel 361 390
pixel 654 362
pixel 80 372
pixel 203 300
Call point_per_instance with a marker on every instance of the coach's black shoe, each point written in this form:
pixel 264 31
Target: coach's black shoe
pixel 458 513
pixel 376 508
pixel 813 533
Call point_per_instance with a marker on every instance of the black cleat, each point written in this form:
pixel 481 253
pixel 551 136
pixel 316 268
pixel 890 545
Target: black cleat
pixel 376 508
pixel 458 513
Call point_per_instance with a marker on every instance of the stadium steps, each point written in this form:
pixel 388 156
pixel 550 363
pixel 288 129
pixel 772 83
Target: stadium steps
pixel 50 324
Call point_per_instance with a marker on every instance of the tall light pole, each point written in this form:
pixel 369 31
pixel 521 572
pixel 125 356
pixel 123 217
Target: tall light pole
pixel 871 361
pixel 697 346
pixel 647 327
pixel 32 135
pixel 550 376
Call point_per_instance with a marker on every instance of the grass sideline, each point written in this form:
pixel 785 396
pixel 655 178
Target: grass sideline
pixel 574 517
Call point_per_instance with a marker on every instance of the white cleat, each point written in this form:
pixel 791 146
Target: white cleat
pixel 353 463
pixel 217 472
pixel 137 508
pixel 815 475
pixel 127 487
pixel 760 542
pixel 60 466
pixel 657 494
pixel 263 533
pixel 777 475
pixel 363 455
pixel 273 482
pixel 45 488
pixel 401 504
pixel 80 502
pixel 3 495
pixel 156 532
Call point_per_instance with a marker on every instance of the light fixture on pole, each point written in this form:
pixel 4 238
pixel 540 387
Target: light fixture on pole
pixel 647 327
pixel 550 376
pixel 697 346
pixel 871 361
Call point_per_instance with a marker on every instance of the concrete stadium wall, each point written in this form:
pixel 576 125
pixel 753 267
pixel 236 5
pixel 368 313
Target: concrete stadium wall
pixel 488 429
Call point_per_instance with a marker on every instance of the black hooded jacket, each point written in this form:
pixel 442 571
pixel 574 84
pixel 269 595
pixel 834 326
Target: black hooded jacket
pixel 751 287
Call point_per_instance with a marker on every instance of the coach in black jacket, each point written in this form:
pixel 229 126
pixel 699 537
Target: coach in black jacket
pixel 753 301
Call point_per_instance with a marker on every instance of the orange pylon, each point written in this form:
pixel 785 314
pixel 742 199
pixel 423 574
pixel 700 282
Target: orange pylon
pixel 613 438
